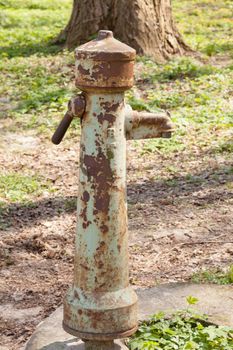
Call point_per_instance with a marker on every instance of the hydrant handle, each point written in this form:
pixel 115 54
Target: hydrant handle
pixel 62 128
pixel 76 108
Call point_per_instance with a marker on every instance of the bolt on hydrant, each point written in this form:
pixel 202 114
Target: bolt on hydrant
pixel 101 306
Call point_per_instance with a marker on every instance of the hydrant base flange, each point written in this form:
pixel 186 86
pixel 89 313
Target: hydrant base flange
pixel 99 336
pixel 108 315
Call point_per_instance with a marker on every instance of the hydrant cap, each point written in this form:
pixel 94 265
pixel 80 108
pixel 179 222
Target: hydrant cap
pixel 105 48
pixel 104 64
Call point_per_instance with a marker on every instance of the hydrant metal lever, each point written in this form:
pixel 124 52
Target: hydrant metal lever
pixel 76 108
pixel 101 305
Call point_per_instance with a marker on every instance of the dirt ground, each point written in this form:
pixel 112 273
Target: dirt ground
pixel 176 227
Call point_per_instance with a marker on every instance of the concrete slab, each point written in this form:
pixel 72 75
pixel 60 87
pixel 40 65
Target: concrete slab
pixel 9 312
pixel 216 301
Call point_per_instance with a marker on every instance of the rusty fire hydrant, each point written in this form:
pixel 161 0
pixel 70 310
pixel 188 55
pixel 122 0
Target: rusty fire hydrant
pixel 101 306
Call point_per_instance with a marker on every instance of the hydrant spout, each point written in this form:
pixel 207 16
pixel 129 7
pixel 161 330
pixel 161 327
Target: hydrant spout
pixel 145 125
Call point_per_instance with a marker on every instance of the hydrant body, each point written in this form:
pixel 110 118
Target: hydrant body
pixel 101 306
pixel 101 300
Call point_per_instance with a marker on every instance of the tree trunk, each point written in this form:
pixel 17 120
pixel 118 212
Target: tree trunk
pixel 146 25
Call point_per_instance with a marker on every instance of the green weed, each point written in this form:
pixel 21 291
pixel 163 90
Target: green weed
pixel 200 106
pixel 27 27
pixel 165 146
pixel 36 4
pixel 181 68
pixel 138 104
pixel 20 188
pixel 225 147
pixel 209 27
pixel 214 276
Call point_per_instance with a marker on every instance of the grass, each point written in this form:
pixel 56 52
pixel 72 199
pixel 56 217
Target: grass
pixel 27 27
pixel 209 25
pixel 37 84
pixel 21 188
pixel 214 276
pixel 199 99
pixel 198 96
pixel 39 77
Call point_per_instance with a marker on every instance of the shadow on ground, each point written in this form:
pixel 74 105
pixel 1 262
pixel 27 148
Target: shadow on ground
pixel 196 189
pixel 40 49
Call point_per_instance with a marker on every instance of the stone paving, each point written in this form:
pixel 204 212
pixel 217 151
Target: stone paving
pixel 216 301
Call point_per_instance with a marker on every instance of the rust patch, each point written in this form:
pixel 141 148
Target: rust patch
pixel 86 196
pixel 109 70
pixel 97 143
pixel 123 220
pixel 83 70
pixel 76 295
pixel 102 244
pixel 86 224
pixel 85 266
pixel 110 107
pixel 102 202
pixel 104 228
pixel 84 213
pixel 106 117
pixel 99 263
pixel 99 171
pixel 67 314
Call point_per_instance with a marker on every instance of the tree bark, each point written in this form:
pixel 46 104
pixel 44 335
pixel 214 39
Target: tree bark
pixel 146 25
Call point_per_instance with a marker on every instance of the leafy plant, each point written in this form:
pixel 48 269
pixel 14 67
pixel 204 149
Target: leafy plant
pixel 191 300
pixel 182 330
